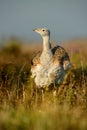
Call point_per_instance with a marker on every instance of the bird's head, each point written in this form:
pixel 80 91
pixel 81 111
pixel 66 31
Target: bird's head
pixel 42 31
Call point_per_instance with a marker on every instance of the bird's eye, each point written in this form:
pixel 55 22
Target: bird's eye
pixel 43 30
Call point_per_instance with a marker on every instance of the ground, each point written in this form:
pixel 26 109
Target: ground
pixel 21 106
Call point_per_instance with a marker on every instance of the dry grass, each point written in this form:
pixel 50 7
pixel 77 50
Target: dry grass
pixel 21 106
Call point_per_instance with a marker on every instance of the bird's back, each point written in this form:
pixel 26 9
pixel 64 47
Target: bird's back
pixel 59 55
pixel 45 74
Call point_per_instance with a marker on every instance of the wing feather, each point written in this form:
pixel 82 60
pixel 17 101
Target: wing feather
pixel 36 58
pixel 59 55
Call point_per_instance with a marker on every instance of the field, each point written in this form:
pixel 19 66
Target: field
pixel 21 106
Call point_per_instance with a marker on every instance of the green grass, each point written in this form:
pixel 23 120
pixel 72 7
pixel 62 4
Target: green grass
pixel 53 117
pixel 21 106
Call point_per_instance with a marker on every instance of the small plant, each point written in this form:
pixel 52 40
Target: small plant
pixel 21 104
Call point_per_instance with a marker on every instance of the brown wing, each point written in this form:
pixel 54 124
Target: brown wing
pixel 60 54
pixel 36 59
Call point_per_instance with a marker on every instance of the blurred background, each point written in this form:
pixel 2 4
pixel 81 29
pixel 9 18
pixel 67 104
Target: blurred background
pixel 19 108
pixel 67 19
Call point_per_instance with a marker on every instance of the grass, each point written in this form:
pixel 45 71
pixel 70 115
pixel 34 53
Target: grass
pixel 21 106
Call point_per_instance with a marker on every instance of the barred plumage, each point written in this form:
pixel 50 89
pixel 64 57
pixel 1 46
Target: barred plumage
pixel 50 65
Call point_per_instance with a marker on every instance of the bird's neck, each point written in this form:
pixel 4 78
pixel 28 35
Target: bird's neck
pixel 46 43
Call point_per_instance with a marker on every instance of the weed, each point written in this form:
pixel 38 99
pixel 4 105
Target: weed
pixel 21 105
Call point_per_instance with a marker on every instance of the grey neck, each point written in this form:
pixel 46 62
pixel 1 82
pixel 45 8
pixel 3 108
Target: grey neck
pixel 46 43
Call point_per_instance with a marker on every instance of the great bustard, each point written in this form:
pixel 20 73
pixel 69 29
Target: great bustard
pixel 50 65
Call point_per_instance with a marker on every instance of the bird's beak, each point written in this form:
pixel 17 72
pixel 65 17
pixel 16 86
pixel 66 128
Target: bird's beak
pixel 37 30
pixel 34 30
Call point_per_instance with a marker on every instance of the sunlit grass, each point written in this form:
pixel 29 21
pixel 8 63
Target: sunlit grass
pixel 21 104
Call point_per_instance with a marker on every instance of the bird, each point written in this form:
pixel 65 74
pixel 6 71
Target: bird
pixel 50 65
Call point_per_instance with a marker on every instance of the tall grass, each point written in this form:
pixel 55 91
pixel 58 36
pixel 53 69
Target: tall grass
pixel 21 105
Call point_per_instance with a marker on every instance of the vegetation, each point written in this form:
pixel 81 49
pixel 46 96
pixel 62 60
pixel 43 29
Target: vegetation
pixel 21 104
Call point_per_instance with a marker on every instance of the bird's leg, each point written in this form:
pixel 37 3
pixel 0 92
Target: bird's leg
pixel 55 90
pixel 42 94
pixel 39 96
pixel 36 96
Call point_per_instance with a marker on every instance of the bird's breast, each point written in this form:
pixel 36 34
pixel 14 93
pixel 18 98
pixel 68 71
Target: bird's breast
pixel 46 58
